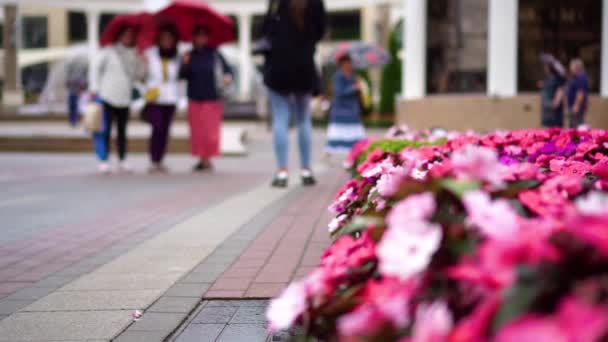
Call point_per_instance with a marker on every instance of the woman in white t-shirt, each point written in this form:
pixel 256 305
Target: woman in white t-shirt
pixel 162 92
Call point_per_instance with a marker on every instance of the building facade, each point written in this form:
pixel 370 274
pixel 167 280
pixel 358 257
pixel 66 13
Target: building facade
pixel 49 27
pixel 476 63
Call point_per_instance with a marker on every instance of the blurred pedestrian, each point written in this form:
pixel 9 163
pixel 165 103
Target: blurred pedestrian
pixel 208 76
pixel 118 68
pixel 345 127
pixel 578 93
pixel 162 92
pixel 552 93
pixel 76 82
pixel 292 29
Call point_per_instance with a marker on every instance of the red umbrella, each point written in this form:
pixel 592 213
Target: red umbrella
pixel 144 25
pixel 187 14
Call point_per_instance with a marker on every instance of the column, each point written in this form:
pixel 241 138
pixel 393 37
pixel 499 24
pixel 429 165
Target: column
pixel 604 60
pixel 92 43
pixel 414 70
pixel 502 48
pixel 245 64
pixel 12 95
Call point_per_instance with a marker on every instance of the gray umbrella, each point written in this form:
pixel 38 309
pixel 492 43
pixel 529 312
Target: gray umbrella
pixel 364 55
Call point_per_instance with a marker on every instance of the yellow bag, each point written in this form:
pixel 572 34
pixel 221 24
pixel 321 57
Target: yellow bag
pixel 151 95
pixel 365 99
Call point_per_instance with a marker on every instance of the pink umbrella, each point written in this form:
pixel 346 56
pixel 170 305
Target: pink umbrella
pixel 187 14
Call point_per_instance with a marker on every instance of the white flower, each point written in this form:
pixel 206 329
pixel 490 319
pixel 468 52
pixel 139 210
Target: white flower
pixel 495 219
pixel 285 310
pixel 406 251
pixel 336 223
pixel 594 204
pixel 433 322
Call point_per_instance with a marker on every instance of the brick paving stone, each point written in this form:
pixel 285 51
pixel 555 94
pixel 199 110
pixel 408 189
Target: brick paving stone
pixel 156 321
pixel 188 290
pixel 8 306
pixel 265 290
pixel 141 336
pixel 201 333
pixel 220 314
pixel 221 294
pixel 231 284
pixel 249 314
pixel 243 332
pixel 174 304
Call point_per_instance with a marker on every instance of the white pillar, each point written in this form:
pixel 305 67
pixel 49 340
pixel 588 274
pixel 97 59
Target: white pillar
pixel 604 60
pixel 502 48
pixel 414 71
pixel 92 43
pixel 12 96
pixel 245 64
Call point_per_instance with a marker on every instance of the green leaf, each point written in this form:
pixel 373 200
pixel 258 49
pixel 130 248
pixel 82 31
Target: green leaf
pixel 514 188
pixel 459 187
pixel 519 299
pixel 359 224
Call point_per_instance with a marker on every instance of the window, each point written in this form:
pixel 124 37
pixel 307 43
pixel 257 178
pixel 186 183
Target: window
pixel 77 27
pixel 344 25
pixel 566 29
pixel 35 32
pixel 457 32
pixel 104 20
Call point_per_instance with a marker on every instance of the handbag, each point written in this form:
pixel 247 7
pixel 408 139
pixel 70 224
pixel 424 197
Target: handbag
pixel 92 118
pixel 364 96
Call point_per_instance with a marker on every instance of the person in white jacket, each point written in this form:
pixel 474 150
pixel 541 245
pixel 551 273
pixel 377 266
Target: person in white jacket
pixel 118 68
pixel 162 92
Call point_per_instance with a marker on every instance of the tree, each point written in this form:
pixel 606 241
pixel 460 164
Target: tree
pixel 391 75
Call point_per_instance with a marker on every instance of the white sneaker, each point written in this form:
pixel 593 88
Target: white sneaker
pixel 124 167
pixel 104 168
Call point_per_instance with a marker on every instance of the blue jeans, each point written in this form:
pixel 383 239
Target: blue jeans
pixel 99 138
pixel 282 106
pixel 73 113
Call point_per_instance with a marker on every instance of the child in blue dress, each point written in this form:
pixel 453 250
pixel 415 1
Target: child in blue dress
pixel 345 127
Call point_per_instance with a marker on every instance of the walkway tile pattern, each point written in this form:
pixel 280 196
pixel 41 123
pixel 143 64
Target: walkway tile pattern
pixel 24 265
pixel 226 321
pixel 288 248
pixel 155 265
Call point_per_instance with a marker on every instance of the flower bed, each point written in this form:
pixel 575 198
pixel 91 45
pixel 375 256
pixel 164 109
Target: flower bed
pixel 498 237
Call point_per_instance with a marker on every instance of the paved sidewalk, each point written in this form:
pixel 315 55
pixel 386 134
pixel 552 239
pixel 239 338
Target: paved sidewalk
pixel 198 254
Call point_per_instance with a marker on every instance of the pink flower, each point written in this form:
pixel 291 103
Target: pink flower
pixel 413 208
pixel 589 223
pixel 532 328
pixel 601 169
pixel 384 302
pixel 389 182
pixel 287 308
pixel 478 163
pixel 407 250
pixel 495 219
pixel 521 171
pixel 347 253
pixel 433 323
pixel 575 320
pixel 474 327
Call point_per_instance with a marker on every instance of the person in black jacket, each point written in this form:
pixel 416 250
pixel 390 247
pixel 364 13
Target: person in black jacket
pixel 207 74
pixel 292 28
